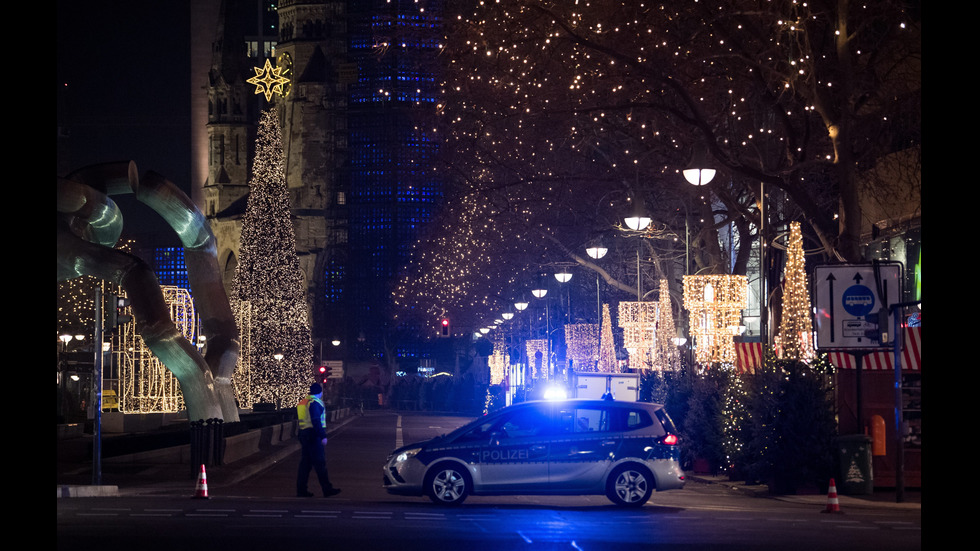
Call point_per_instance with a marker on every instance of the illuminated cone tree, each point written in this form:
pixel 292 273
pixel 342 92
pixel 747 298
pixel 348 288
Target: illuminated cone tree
pixel 269 286
pixel 607 346
pixel 796 329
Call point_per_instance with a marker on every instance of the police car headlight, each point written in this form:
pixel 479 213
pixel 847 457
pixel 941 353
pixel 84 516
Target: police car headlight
pixel 407 454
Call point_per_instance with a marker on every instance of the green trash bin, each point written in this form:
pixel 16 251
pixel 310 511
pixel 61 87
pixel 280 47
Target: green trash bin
pixel 856 477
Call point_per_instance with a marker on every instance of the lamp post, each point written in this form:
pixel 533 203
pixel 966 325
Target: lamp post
pixel 564 276
pixel 596 251
pixel 540 291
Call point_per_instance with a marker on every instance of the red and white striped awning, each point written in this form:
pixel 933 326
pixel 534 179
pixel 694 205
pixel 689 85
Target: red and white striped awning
pixel 748 356
pixel 884 360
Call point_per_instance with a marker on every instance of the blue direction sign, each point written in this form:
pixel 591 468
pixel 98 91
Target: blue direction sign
pixel 845 296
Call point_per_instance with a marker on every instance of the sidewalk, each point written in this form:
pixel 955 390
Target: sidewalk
pixel 123 476
pixel 880 498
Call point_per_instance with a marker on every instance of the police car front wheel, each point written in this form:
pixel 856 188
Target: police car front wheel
pixel 447 484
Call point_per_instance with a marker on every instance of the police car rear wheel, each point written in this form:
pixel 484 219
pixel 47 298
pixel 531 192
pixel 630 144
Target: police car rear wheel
pixel 447 484
pixel 629 486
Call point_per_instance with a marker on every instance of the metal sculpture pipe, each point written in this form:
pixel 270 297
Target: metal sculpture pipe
pixel 150 311
pixel 210 298
pixel 80 202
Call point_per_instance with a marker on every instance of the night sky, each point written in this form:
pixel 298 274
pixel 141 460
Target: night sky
pixel 124 90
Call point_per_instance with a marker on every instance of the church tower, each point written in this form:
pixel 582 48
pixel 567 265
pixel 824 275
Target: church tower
pixel 231 113
pixel 312 52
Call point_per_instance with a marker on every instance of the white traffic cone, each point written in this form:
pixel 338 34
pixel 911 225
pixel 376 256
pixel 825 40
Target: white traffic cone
pixel 201 492
pixel 833 506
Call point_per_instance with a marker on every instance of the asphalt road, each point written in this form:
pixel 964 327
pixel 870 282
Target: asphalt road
pixel 261 512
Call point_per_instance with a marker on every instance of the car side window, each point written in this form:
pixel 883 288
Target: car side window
pixel 637 419
pixel 578 420
pixel 524 423
pixel 479 433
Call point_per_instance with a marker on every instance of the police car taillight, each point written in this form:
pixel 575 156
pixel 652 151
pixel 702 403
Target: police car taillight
pixel 670 440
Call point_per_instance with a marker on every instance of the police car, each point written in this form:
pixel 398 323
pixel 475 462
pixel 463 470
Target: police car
pixel 623 450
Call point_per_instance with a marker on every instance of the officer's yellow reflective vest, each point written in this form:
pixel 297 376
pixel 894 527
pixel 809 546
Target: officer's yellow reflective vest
pixel 303 413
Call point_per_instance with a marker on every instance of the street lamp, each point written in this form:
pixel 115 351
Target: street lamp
pixel 637 222
pixel 539 291
pixel 563 276
pixel 696 173
pixel 597 251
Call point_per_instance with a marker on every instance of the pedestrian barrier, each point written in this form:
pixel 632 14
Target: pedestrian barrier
pixel 833 505
pixel 201 491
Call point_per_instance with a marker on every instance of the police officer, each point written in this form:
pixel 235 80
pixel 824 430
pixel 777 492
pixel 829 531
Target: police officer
pixel 313 437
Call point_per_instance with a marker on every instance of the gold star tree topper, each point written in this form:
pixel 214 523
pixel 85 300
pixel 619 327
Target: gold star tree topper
pixel 268 80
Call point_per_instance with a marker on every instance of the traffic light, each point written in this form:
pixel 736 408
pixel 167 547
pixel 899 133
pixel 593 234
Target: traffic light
pixel 323 373
pixel 445 327
pixel 117 309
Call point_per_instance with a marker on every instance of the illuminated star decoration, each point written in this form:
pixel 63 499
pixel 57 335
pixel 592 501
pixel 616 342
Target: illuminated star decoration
pixel 268 80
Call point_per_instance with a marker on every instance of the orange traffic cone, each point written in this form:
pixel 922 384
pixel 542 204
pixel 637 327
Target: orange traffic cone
pixel 833 506
pixel 201 492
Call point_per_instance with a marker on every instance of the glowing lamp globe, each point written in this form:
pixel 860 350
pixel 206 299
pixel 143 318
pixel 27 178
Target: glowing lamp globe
pixel 637 222
pixel 699 176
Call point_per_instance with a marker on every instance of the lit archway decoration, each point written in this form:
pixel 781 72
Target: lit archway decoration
pixel 538 367
pixel 638 321
pixel 715 303
pixel 498 364
pixel 582 345
pixel 268 80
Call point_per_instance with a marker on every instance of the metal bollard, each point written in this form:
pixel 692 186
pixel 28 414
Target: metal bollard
pixel 217 441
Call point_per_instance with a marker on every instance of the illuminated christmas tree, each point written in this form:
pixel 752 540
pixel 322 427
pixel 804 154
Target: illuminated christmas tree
pixel 796 329
pixel 607 347
pixel 277 349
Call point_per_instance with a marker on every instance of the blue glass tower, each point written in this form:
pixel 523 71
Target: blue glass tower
pixel 393 187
